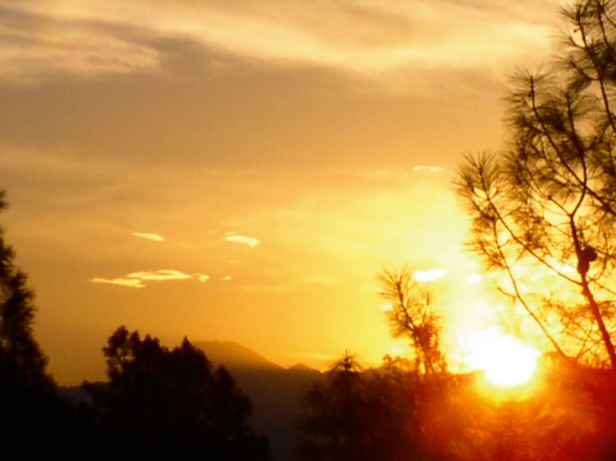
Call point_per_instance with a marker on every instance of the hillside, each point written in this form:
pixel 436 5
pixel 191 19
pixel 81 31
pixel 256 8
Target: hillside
pixel 235 356
pixel 276 392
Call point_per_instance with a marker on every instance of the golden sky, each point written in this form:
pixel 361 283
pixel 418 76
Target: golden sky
pixel 242 169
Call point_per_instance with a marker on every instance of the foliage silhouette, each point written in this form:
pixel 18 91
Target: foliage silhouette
pixel 412 317
pixel 393 413
pixel 549 202
pixel 28 399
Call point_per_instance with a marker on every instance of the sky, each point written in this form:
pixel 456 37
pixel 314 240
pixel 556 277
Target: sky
pixel 243 169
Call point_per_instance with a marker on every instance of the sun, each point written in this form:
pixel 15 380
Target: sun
pixel 506 361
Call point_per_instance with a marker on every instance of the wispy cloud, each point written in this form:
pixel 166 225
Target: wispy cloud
pixel 232 237
pixel 203 278
pixel 137 279
pixel 431 275
pixel 38 44
pixel 427 169
pixel 380 36
pixel 149 236
pixel 122 282
pixel 164 275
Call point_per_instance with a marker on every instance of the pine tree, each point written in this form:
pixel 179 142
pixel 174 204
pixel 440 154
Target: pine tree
pixel 547 205
pixel 19 351
pixel 28 392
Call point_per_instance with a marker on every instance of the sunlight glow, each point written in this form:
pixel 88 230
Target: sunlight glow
pixel 399 350
pixel 473 279
pixel 506 361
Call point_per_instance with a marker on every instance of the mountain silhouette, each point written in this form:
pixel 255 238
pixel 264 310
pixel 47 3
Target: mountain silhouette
pixel 234 356
pixel 300 367
pixel 275 391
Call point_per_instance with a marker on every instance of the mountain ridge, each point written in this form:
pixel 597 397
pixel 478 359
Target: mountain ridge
pixel 233 355
pixel 276 392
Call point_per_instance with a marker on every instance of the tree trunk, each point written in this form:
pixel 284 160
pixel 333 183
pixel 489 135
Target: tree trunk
pixel 596 312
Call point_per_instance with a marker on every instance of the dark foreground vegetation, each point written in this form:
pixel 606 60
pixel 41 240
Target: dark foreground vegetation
pixel 394 413
pixel 547 202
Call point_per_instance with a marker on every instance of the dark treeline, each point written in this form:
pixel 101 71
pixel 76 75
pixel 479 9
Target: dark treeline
pixel 394 412
pixel 155 398
pixel 548 201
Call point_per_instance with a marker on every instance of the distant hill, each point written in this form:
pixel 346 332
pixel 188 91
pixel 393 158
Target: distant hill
pixel 235 356
pixel 302 368
pixel 275 392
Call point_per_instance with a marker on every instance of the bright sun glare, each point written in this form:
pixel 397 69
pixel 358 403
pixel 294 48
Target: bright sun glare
pixel 505 361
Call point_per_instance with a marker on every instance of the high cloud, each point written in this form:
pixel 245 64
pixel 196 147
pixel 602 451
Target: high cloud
pixel 137 279
pixel 203 278
pixel 36 46
pixel 148 236
pixel 242 239
pixel 122 282
pixel 428 276
pixel 104 36
pixel 427 169
pixel 164 275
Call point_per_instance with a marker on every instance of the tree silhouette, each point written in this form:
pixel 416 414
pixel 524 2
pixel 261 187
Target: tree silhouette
pixel 27 392
pixel 361 415
pixel 548 204
pixel 172 398
pixel 412 317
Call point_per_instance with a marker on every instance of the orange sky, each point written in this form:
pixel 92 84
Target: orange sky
pixel 242 169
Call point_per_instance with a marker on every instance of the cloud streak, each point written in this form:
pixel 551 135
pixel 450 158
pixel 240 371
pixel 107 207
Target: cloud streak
pixel 428 169
pixel 138 279
pixel 36 45
pixel 251 242
pixel 203 278
pixel 431 275
pixel 122 282
pixel 86 37
pixel 164 275
pixel 149 236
